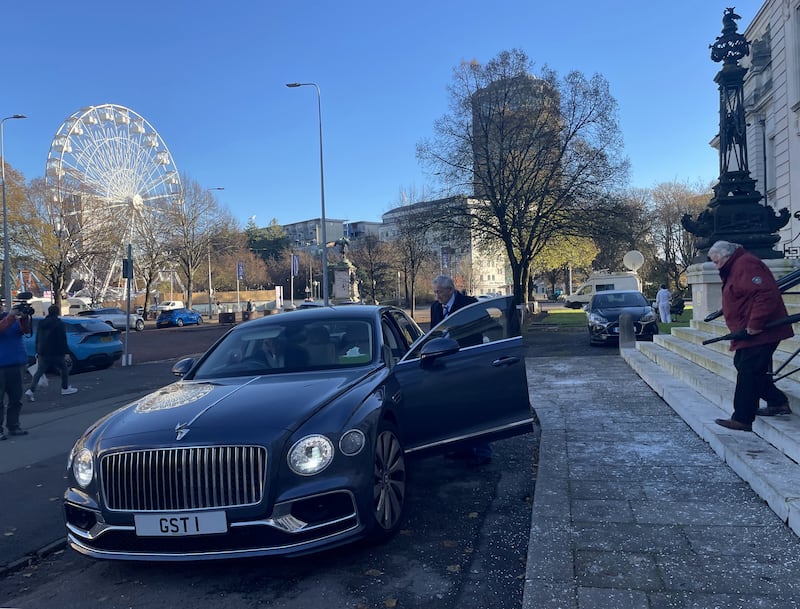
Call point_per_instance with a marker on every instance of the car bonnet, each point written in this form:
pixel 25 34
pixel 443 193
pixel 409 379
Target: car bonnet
pixel 613 313
pixel 258 403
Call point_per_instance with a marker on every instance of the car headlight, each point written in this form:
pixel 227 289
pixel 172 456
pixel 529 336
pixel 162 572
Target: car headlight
pixel 83 467
pixel 648 317
pixel 596 318
pixel 310 455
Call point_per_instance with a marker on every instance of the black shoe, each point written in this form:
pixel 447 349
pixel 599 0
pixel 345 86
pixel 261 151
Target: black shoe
pixel 774 411
pixel 733 424
pixel 3 436
pixel 17 431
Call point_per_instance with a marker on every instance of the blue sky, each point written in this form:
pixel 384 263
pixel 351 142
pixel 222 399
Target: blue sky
pixel 210 76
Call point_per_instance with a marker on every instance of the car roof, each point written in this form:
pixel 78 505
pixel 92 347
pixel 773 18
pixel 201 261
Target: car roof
pixel 310 314
pixel 81 321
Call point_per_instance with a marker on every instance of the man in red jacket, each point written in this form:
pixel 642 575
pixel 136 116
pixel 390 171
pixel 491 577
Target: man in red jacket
pixel 750 300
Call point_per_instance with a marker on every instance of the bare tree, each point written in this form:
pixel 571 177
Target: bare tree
pixel 50 240
pixel 372 258
pixel 540 154
pixel 192 221
pixel 675 246
pixel 412 243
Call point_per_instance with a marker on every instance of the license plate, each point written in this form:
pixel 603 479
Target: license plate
pixel 615 330
pixel 105 339
pixel 181 524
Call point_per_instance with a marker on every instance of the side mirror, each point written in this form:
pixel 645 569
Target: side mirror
pixel 183 366
pixel 436 348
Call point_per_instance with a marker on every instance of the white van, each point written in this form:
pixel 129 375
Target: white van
pixel 168 305
pixel 602 281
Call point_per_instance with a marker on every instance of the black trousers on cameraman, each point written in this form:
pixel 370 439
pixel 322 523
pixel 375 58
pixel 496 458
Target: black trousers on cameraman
pixel 11 386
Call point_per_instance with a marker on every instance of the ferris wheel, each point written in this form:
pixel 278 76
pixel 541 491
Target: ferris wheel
pixel 109 168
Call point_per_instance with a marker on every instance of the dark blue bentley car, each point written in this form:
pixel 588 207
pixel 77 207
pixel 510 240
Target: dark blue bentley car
pixel 290 435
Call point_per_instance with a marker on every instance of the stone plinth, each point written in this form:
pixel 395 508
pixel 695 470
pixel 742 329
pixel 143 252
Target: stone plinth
pixel 707 286
pixel 345 285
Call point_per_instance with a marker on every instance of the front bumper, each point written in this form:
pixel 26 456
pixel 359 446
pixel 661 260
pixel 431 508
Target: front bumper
pixel 294 527
pixel 610 332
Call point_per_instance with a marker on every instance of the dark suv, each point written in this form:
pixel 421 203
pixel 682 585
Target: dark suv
pixel 605 308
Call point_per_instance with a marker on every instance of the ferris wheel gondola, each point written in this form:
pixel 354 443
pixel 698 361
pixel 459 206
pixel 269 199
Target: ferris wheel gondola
pixel 109 168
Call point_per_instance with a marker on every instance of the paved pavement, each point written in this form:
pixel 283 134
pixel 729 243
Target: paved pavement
pixel 633 510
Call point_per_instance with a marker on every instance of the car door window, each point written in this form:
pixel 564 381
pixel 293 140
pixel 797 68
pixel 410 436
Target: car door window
pixel 484 322
pixel 393 346
pixel 408 330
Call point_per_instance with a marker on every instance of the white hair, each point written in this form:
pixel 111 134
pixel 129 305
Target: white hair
pixel 723 248
pixel 443 281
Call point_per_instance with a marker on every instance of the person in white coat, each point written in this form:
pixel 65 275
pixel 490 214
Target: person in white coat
pixel 662 304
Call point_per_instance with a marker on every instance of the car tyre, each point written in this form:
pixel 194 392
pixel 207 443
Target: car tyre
pixel 388 484
pixel 179 323
pixel 139 325
pixel 200 321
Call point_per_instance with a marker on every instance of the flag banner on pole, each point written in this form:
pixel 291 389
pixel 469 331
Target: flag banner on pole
pixel 240 271
pixel 295 265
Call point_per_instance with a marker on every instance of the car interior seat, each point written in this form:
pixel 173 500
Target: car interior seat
pixel 321 351
pixel 357 345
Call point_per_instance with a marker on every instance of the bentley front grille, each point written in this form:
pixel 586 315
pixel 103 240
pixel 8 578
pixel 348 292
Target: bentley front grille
pixel 175 479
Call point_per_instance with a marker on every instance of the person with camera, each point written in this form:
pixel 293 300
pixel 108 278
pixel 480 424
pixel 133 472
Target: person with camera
pixel 13 325
pixel 51 347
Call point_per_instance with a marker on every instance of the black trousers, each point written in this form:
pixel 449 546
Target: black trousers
pixel 754 381
pixel 11 386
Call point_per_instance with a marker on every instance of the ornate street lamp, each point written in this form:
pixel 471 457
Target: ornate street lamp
pixel 734 212
pixel 6 256
pixel 322 190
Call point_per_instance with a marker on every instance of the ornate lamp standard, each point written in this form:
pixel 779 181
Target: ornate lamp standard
pixel 208 251
pixel 6 256
pixel 734 212
pixel 322 190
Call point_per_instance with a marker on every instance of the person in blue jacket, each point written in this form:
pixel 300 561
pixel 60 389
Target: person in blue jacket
pixel 12 361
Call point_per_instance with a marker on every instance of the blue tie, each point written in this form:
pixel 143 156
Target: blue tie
pixel 445 310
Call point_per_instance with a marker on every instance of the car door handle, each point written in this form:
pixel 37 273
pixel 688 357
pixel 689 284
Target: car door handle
pixel 505 361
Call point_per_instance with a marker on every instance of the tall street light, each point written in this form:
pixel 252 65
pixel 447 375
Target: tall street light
pixel 6 256
pixel 322 190
pixel 208 251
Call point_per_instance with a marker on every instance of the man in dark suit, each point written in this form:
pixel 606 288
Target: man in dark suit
pixel 447 299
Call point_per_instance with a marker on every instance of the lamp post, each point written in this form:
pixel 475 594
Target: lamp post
pixel 6 256
pixel 322 190
pixel 208 252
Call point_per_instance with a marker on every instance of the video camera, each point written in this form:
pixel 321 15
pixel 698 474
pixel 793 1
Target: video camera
pixel 21 305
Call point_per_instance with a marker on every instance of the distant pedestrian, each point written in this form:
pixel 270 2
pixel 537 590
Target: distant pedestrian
pixel 751 299
pixel 12 359
pixel 249 306
pixel 51 347
pixel 662 304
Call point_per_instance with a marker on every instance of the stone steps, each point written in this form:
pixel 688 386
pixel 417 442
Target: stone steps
pixel 698 381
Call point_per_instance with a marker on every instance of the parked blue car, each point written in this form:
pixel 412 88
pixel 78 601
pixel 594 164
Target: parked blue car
pixel 91 342
pixel 178 317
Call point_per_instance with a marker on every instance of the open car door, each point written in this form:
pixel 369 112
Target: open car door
pixel 466 379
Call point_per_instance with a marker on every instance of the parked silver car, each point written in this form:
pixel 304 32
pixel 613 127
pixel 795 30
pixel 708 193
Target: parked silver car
pixel 115 317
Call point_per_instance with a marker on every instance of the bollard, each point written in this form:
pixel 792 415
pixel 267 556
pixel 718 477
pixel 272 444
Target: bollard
pixel 627 335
